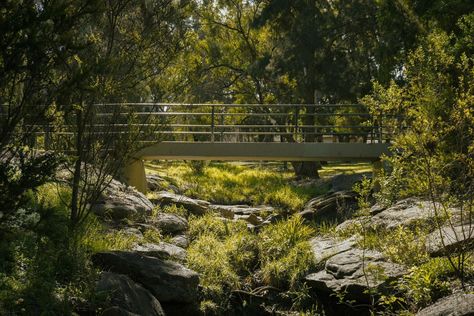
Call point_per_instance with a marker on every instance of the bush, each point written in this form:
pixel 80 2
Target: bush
pixel 428 282
pixel 43 267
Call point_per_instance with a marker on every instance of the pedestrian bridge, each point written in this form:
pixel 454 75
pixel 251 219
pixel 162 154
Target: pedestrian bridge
pixel 273 132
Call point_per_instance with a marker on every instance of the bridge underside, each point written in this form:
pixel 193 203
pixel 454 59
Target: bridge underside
pixel 264 151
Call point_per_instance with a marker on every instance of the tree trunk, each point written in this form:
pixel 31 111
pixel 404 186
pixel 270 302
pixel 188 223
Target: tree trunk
pixel 306 169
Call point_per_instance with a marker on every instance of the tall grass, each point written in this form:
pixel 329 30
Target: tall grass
pixel 237 184
pixel 229 257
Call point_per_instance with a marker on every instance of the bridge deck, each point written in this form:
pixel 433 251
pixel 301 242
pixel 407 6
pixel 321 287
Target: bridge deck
pixel 264 151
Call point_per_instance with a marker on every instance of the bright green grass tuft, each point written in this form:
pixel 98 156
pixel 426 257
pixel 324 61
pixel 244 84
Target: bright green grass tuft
pixel 227 183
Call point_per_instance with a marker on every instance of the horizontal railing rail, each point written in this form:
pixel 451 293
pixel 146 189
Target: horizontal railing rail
pixel 202 122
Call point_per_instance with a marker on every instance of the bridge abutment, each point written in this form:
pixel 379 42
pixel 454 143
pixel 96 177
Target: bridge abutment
pixel 134 173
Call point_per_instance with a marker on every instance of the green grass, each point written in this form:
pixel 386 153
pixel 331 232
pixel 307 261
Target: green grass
pixel 229 257
pixel 248 183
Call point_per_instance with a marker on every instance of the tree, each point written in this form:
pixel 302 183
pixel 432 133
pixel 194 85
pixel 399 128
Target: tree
pixel 332 50
pixel 127 45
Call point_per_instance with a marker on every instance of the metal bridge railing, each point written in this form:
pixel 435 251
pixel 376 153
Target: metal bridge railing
pixel 230 123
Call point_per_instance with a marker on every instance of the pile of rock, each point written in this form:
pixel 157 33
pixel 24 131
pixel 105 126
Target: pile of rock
pixel 146 285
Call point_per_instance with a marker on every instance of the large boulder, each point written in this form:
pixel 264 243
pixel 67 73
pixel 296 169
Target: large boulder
pixel 168 281
pixel 459 304
pixel 326 247
pixel 404 213
pixel 157 183
pixel 180 241
pixel 346 269
pixel 127 295
pixel 450 239
pixel 193 206
pixel 354 272
pixel 119 201
pixel 117 311
pixel 161 250
pixel 335 206
pixel 170 223
pixel 345 182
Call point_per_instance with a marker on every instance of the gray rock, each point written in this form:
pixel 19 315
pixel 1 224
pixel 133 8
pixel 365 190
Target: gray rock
pixel 345 182
pixel 458 304
pixel 146 227
pixel 161 250
pixel 157 183
pixel 351 224
pixel 132 231
pixel 119 201
pixel 196 207
pixel 168 281
pixel 117 311
pixel 450 239
pixel 404 213
pixel 353 272
pixel 170 223
pixel 251 219
pixel 326 247
pixel 335 206
pixel 180 241
pixel 127 295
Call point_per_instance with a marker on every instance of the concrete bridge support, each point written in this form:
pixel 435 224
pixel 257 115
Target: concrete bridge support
pixel 134 173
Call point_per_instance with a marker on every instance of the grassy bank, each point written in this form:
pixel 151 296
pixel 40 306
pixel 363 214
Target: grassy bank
pixel 249 183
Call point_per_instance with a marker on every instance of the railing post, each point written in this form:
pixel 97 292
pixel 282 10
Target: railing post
pixel 212 123
pixel 296 121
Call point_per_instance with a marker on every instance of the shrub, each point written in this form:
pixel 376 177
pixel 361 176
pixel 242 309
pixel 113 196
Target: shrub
pixel 426 283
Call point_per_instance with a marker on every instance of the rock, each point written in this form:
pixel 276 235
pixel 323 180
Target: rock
pixel 251 219
pixel 351 271
pixel 161 250
pixel 376 208
pixel 458 304
pixel 170 223
pixel 335 206
pixel 168 281
pixel 128 295
pixel 146 227
pixel 180 241
pixel 229 211
pixel 157 183
pixel 117 311
pixel 351 224
pixel 345 182
pixel 404 213
pixel 326 247
pixel 450 239
pixel 119 201
pixel 196 207
pixel 133 232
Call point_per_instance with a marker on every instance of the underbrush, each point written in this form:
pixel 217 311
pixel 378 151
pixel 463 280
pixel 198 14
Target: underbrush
pixel 229 258
pixel 45 268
